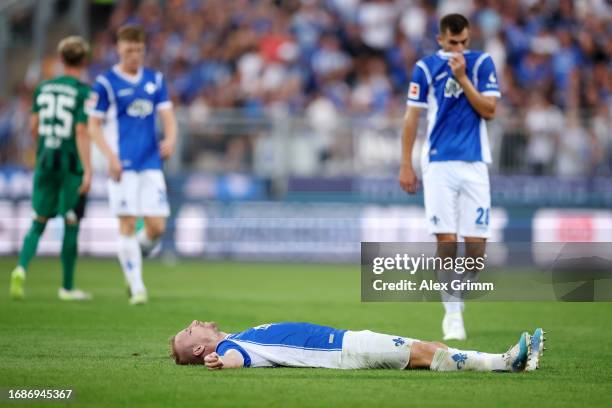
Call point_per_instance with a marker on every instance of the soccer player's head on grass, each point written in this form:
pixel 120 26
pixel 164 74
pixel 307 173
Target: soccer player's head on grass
pixel 73 51
pixel 196 341
pixel 454 33
pixel 131 47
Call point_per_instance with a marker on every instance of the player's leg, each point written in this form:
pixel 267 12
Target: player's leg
pixel 154 208
pixel 367 349
pixel 474 215
pixel 72 206
pixel 45 198
pixel 150 235
pixel 440 357
pixel 125 202
pixel 28 250
pixel 441 190
pixel 130 259
pixel 452 323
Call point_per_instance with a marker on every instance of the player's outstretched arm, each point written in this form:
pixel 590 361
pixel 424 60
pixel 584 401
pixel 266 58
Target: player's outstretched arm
pixel 407 177
pixel 94 126
pixel 168 144
pixel 231 359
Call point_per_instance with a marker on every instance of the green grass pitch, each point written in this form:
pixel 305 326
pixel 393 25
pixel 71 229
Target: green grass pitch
pixel 112 354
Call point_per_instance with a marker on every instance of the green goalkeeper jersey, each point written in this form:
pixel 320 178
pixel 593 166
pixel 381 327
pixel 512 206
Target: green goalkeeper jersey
pixel 60 104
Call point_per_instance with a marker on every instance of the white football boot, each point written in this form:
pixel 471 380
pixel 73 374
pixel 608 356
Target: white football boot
pixel 73 295
pixel 452 326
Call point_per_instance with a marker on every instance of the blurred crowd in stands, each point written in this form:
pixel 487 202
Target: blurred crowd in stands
pixel 329 59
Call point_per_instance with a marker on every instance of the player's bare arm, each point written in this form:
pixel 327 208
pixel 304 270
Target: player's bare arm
pixel 167 146
pixel 484 105
pixel 83 149
pixel 407 177
pixel 231 359
pixel 34 126
pixel 94 126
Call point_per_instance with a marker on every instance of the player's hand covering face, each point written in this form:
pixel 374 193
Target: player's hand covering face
pixel 457 64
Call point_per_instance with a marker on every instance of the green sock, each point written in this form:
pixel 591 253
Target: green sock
pixel 69 254
pixel 30 243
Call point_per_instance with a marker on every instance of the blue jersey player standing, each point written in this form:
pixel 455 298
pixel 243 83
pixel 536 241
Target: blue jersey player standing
pixel 127 100
pixel 459 89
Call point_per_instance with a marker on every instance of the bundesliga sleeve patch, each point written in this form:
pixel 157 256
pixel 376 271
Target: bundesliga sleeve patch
pixel 414 91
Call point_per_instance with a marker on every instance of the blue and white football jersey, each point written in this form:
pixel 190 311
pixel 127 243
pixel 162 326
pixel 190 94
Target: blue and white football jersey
pixel 129 105
pixel 287 344
pixel 455 130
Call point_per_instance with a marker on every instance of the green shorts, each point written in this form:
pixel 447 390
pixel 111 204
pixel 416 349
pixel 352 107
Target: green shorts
pixel 57 193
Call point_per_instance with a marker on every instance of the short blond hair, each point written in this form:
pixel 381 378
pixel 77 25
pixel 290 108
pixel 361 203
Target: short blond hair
pixel 174 353
pixel 132 33
pixel 73 50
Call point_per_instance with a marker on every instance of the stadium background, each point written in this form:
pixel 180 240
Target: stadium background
pixel 291 110
pixel 289 115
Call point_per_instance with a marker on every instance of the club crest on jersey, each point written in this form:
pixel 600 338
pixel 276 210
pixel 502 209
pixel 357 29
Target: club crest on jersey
pixel 140 108
pixel 150 88
pixel 414 90
pixel 452 88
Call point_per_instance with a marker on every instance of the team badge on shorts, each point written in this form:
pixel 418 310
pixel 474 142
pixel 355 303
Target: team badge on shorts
pixel 399 341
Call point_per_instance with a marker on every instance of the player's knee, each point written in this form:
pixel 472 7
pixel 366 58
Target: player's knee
pixel 422 352
pixel 41 220
pixel 155 229
pixel 475 249
pixel 127 225
pixel 440 345
pixel 447 249
pixel 71 218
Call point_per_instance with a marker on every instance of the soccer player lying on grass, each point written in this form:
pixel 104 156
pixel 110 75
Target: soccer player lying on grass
pixel 311 345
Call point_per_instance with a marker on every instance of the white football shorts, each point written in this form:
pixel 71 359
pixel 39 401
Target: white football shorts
pixel 139 193
pixel 367 349
pixel 457 198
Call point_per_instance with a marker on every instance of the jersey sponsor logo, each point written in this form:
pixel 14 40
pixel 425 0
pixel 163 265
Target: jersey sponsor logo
pixel 150 88
pixel 262 326
pixel 414 91
pixel 452 89
pixel 140 108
